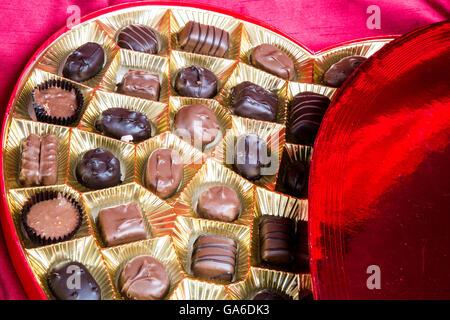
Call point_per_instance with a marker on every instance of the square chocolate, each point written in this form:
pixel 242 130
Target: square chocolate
pixel 276 240
pixel 141 84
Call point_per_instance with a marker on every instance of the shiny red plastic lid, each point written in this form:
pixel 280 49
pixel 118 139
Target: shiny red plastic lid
pixel 380 177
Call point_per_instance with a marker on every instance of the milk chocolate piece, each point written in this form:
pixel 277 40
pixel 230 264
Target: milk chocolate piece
pixel 273 60
pixel 295 179
pixel 276 240
pixel 138 38
pixel 124 124
pixel 252 101
pixel 29 165
pixel 250 156
pixel 121 224
pixel 197 82
pixel 302 248
pixel 219 203
pixel 144 278
pixel 214 258
pixel 56 102
pixel 197 124
pixel 306 112
pixel 141 84
pixel 341 70
pixel 72 281
pixel 98 169
pixel 267 294
pixel 203 39
pixel 48 169
pixel 85 62
pixel 164 172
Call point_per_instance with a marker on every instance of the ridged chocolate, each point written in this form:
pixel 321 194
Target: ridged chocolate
pixel 48 165
pixel 29 164
pixel 341 70
pixel 276 240
pixel 138 38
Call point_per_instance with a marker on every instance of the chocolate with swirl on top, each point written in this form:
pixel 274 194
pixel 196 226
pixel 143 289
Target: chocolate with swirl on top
pixel 138 38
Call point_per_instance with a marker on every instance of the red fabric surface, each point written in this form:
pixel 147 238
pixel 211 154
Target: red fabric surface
pixel 26 24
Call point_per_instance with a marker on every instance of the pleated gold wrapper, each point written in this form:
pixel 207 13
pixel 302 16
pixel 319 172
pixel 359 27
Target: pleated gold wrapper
pixel 83 250
pixel 222 114
pixel 271 133
pixel 210 175
pixel 269 82
pixel 159 248
pixel 156 112
pixel 283 283
pixel 54 57
pixel 189 289
pixel 269 203
pixel 126 60
pixel 23 102
pixel 305 287
pixel 21 129
pixel 83 141
pixel 253 36
pixel 156 18
pixel 187 230
pixel 180 16
pixel 18 197
pixel 192 158
pixel 326 59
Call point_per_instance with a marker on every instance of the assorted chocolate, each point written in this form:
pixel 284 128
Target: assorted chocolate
pixel 341 70
pixel 196 82
pixel 219 203
pixel 141 84
pixel 85 62
pixel 138 38
pixel 271 59
pixel 294 180
pixel 268 294
pixel 251 155
pixel 276 241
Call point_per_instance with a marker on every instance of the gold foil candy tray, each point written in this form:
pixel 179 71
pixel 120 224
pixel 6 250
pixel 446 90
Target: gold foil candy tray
pixel 189 289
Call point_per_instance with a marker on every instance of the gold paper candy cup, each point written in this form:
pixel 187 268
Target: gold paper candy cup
pixel 190 289
pixel 213 174
pixel 83 250
pixel 187 230
pixel 259 279
pixel 159 248
pixel 305 288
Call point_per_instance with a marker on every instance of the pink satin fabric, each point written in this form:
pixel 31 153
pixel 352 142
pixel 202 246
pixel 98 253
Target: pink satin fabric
pixel 26 24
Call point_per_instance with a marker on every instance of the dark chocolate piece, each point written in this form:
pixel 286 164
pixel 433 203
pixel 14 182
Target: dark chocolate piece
pixel 214 258
pixel 197 82
pixel 302 248
pixel 203 39
pixel 85 62
pixel 276 241
pixel 252 101
pixel 72 281
pixel 124 124
pixel 141 84
pixel 340 71
pixel 144 278
pixel 29 165
pixel 219 203
pixel 164 172
pixel 267 294
pixel 250 156
pixel 121 224
pixel 273 60
pixel 306 112
pixel 98 169
pixel 295 179
pixel 48 165
pixel 138 38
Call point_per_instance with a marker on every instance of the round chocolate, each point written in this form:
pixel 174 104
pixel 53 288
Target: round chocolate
pixel 251 154
pixel 144 278
pixel 72 281
pixel 219 203
pixel 295 179
pixel 196 123
pixel 138 38
pixel 98 169
pixel 267 294
pixel 273 60
pixel 124 124
pixel 85 62
pixel 197 82
pixel 340 71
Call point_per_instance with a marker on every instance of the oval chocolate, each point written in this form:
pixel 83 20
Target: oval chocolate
pixel 85 62
pixel 138 38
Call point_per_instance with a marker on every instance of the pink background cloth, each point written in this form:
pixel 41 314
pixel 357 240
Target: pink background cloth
pixel 26 24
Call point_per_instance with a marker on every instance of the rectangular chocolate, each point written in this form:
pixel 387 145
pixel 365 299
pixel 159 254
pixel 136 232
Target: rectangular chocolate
pixel 276 240
pixel 29 162
pixel 141 84
pixel 48 168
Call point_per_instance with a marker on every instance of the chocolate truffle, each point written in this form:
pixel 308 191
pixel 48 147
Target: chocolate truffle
pixel 141 84
pixel 197 82
pixel 252 101
pixel 295 179
pixel 56 102
pixel 85 62
pixel 341 70
pixel 306 112
pixel 72 281
pixel 124 124
pixel 164 172
pixel 302 248
pixel 219 203
pixel 48 165
pixel 267 294
pixel 276 241
pixel 121 224
pixel 144 278
pixel 250 156
pixel 214 258
pixel 203 39
pixel 273 60
pixel 98 169
pixel 138 38
pixel 197 124
pixel 29 165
